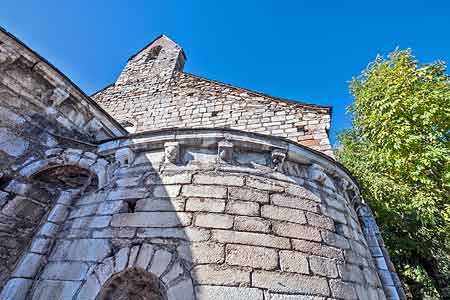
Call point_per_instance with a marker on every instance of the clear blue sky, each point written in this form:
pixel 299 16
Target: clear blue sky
pixel 302 50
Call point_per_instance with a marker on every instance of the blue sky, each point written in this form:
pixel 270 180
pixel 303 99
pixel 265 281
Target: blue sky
pixel 301 50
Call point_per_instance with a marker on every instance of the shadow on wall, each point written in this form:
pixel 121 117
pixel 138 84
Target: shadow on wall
pixel 120 240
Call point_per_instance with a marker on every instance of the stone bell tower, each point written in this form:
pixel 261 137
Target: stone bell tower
pixel 154 64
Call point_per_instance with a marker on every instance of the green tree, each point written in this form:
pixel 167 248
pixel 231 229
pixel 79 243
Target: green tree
pixel 399 149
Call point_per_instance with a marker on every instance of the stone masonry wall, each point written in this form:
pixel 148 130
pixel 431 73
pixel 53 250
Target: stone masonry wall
pixel 37 108
pixel 211 230
pixel 156 94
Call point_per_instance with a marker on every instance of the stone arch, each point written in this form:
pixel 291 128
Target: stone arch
pixel 133 284
pixel 69 157
pixel 160 263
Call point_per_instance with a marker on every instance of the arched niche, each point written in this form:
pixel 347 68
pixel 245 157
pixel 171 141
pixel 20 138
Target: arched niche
pixel 133 284
pixel 68 177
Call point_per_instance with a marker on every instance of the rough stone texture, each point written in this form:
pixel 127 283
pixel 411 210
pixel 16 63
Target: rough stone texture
pixel 89 213
pixel 172 98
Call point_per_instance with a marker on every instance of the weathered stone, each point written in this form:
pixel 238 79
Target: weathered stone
pixel 228 293
pixel 166 191
pixel 219 179
pixel 342 290
pixel 296 262
pixel 250 238
pixel 193 234
pixel 152 219
pixel 51 289
pixel 221 275
pixel 151 204
pixel 65 271
pixel 283 214
pixel 183 290
pixel 145 255
pixel 294 202
pixel 202 253
pixel 242 208
pixel 81 250
pixel 205 204
pixel 29 265
pixel 297 231
pixel 263 184
pixel 290 283
pixel 323 266
pixel 247 194
pixel 249 256
pixel 16 289
pixel 254 224
pixel 160 262
pixel 214 221
pixel 205 191
pixel 320 221
pixel 317 249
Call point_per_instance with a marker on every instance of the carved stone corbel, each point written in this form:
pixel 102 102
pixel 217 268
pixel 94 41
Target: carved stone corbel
pixel 225 151
pixel 172 152
pixel 125 157
pixel 278 156
pixel 317 173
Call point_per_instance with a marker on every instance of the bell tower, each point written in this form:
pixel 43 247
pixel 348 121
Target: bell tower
pixel 154 64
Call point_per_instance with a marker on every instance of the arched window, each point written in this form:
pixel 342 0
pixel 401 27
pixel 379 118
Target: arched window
pixel 153 53
pixel 68 176
pixel 132 284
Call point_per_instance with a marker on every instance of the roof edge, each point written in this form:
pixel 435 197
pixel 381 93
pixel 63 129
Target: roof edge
pixel 66 79
pixel 288 101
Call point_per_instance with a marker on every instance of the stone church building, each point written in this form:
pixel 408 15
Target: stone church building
pixel 168 186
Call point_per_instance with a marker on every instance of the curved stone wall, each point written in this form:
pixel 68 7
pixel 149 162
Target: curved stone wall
pixel 214 214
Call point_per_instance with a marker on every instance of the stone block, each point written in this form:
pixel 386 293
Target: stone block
pixel 40 245
pixel 16 289
pixel 167 204
pixel 65 271
pixel 295 262
pixel 317 249
pixel 228 293
pixel 189 233
pixel 296 231
pixel 81 250
pixel 243 208
pixel 335 240
pixel 160 262
pixel 29 265
pixel 342 290
pixel 204 191
pixel 317 220
pixel 219 179
pixel 166 191
pixel 250 256
pixel 125 194
pixel 91 222
pixel 294 202
pixel 254 224
pixel 250 238
pixel 145 255
pixel 247 194
pixel 290 283
pixel 181 178
pixel 202 253
pixel 152 219
pixel 52 289
pixel 183 290
pixel 214 220
pixel 283 214
pixel 221 275
pixel 263 184
pixel 205 204
pixel 294 297
pixel 323 266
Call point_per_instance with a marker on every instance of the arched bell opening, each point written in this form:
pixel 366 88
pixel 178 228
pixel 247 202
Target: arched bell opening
pixel 133 284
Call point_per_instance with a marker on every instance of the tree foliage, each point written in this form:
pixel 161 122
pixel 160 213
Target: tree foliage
pixel 399 149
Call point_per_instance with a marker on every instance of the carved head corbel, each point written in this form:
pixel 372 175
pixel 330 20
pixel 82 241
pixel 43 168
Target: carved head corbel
pixel 172 152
